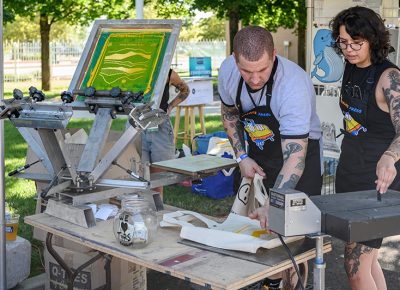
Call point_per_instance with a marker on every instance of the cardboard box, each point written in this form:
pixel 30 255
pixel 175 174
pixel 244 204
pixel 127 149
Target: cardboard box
pixel 124 275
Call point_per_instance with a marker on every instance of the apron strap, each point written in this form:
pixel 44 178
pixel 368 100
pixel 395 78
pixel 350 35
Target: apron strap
pixel 270 82
pixel 238 93
pixel 269 85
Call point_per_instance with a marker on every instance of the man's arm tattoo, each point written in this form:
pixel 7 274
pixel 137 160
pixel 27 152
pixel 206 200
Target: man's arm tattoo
pixel 292 182
pixel 278 181
pixel 233 127
pixel 301 164
pixel 291 148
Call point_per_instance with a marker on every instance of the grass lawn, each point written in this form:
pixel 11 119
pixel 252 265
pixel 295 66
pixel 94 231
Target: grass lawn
pixel 20 194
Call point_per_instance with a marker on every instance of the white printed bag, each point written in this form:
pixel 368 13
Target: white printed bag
pixel 237 232
pixel 251 195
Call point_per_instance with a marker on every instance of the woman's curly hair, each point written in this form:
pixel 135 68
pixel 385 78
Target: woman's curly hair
pixel 364 23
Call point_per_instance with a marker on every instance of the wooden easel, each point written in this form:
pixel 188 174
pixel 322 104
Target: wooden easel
pixel 189 131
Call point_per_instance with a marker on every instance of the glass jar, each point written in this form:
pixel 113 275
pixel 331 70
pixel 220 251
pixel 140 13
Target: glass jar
pixel 135 224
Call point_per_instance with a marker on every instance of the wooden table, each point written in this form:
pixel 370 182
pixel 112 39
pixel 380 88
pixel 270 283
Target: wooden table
pixel 166 255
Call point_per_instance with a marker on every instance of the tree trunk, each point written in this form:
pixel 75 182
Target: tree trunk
pixel 45 51
pixel 301 48
pixel 233 27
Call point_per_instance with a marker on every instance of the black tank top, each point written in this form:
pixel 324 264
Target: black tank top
pixel 368 130
pixel 165 96
pixel 359 85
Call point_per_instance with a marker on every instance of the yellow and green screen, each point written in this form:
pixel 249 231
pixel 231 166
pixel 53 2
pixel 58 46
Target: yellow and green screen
pixel 130 60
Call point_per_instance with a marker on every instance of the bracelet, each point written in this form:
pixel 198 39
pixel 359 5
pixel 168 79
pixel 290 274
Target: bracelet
pixel 241 157
pixel 392 154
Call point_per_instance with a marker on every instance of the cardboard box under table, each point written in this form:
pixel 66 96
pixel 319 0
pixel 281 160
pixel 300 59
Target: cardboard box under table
pixel 167 254
pixel 124 275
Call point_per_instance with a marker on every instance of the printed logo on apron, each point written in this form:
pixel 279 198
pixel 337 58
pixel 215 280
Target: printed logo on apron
pixel 258 133
pixel 352 126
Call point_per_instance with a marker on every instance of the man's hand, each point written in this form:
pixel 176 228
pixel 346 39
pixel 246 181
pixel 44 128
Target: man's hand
pixel 248 167
pixel 261 214
pixel 386 172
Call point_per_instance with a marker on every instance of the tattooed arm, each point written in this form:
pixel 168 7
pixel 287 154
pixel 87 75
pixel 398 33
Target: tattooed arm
pixel 385 169
pixel 183 88
pixel 294 156
pixel 234 130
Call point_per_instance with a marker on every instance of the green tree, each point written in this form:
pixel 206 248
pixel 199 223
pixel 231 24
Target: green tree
pixel 212 28
pixel 269 13
pixel 25 29
pixel 71 12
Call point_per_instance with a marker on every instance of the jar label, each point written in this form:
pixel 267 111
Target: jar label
pixel 129 233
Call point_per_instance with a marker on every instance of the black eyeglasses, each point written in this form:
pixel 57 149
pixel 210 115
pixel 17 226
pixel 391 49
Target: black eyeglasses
pixel 354 46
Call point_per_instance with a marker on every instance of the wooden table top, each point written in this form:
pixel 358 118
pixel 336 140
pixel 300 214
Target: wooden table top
pixel 166 255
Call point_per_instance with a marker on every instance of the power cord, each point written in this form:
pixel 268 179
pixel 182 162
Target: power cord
pixel 293 261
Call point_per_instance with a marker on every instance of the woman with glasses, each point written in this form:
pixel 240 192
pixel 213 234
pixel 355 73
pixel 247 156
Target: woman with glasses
pixel 370 102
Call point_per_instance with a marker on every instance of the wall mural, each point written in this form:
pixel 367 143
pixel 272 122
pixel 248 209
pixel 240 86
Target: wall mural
pixel 328 65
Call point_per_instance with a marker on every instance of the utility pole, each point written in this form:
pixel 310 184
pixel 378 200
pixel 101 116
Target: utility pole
pixel 310 19
pixel 139 9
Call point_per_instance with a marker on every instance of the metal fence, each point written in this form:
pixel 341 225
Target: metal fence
pixel 22 59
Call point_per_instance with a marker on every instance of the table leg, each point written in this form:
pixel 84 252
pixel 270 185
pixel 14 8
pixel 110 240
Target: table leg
pixel 72 274
pixel 177 122
pixel 186 127
pixel 201 117
pixel 192 125
pixel 319 264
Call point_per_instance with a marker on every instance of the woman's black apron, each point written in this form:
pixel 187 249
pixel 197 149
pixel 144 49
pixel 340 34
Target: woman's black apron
pixel 264 139
pixel 363 145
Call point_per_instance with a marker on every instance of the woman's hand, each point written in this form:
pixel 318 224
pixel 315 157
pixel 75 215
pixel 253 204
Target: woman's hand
pixel 386 172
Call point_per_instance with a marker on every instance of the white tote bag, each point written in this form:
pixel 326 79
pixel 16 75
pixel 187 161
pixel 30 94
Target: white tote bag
pixel 251 195
pixel 237 232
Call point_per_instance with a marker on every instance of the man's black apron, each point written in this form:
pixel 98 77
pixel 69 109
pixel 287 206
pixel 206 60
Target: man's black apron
pixel 264 139
pixel 362 148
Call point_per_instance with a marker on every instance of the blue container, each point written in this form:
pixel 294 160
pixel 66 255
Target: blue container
pixel 216 186
pixel 203 140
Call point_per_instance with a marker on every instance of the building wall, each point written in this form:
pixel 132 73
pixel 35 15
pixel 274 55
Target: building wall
pixel 286 36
